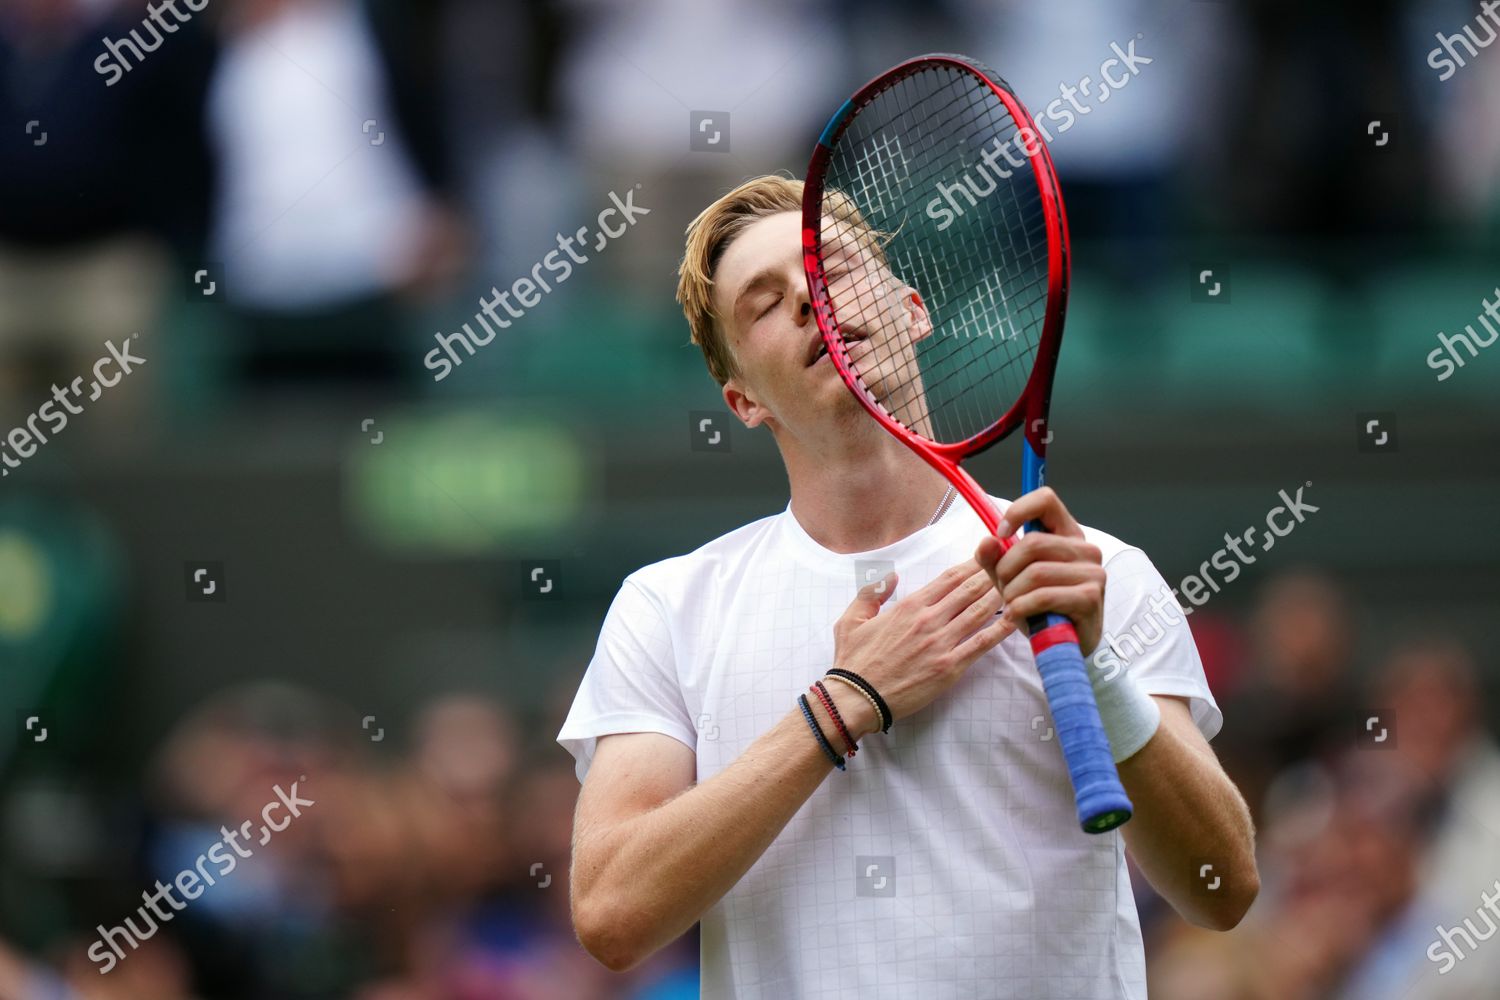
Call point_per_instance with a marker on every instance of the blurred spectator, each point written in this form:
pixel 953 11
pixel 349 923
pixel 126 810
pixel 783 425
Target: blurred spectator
pixel 1298 156
pixel 1339 864
pixel 754 65
pixel 1468 124
pixel 1119 151
pixel 334 207
pixel 1299 695
pixel 218 768
pixel 100 185
pixel 158 971
pixel 442 875
pixel 1441 750
pixel 1367 850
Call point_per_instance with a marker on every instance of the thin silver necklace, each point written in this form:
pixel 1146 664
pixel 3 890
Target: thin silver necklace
pixel 942 507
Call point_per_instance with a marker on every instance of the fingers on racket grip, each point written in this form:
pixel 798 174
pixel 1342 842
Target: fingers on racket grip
pixel 1101 799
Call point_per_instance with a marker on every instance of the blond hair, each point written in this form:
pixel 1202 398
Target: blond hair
pixel 708 236
pixel 718 225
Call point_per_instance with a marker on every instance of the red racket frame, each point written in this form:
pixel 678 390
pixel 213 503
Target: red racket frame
pixel 1035 399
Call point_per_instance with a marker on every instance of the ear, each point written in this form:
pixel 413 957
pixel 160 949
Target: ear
pixel 742 405
pixel 919 322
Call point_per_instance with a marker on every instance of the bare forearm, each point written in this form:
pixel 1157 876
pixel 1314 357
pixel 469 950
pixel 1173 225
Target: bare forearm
pixel 1191 835
pixel 654 876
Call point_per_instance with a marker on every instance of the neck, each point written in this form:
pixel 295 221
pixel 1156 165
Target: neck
pixel 865 491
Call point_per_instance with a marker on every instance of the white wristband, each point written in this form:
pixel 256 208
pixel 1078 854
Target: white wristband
pixel 1130 715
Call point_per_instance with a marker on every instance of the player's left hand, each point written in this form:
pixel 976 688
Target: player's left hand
pixel 1055 570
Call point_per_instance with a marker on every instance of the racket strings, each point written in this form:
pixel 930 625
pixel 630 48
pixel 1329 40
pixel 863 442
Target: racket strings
pixel 970 315
pixel 988 309
pixel 979 98
pixel 948 361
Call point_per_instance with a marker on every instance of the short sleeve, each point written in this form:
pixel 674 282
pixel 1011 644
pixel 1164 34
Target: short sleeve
pixel 1147 630
pixel 631 683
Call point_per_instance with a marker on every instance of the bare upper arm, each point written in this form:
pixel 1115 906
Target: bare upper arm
pixel 1177 716
pixel 631 774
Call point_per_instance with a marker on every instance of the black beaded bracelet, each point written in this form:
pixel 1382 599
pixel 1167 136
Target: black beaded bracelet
pixel 838 761
pixel 869 689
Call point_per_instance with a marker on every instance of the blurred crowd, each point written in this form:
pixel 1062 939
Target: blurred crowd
pixel 436 871
pixel 331 168
pixel 1374 779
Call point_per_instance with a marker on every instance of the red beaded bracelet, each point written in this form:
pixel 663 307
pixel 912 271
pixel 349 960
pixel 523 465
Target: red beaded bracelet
pixel 833 712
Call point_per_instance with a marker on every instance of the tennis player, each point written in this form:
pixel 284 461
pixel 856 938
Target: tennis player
pixel 944 858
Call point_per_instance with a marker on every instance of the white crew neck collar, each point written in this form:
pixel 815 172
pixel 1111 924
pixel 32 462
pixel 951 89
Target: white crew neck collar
pixel 959 522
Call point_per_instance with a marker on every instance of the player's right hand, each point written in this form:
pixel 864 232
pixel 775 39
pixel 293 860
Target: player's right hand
pixel 921 645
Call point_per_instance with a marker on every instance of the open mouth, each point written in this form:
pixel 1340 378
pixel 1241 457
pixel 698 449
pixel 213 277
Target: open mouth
pixel 820 349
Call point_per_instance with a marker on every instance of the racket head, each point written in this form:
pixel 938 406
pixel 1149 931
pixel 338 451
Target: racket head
pixel 935 245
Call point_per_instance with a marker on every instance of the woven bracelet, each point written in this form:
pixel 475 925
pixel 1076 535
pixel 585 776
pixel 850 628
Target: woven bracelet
pixel 838 761
pixel 869 689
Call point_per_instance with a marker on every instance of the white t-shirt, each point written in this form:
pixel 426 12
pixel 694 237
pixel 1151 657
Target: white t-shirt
pixel 946 861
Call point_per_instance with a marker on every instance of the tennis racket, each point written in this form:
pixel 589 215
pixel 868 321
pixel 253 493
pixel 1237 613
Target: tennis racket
pixel 936 252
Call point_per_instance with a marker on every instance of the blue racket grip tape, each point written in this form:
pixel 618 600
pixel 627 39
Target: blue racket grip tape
pixel 1101 799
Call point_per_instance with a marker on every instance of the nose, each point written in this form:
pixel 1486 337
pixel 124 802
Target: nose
pixel 804 306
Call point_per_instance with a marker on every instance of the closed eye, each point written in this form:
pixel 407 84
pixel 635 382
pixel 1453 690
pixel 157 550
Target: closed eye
pixel 771 305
